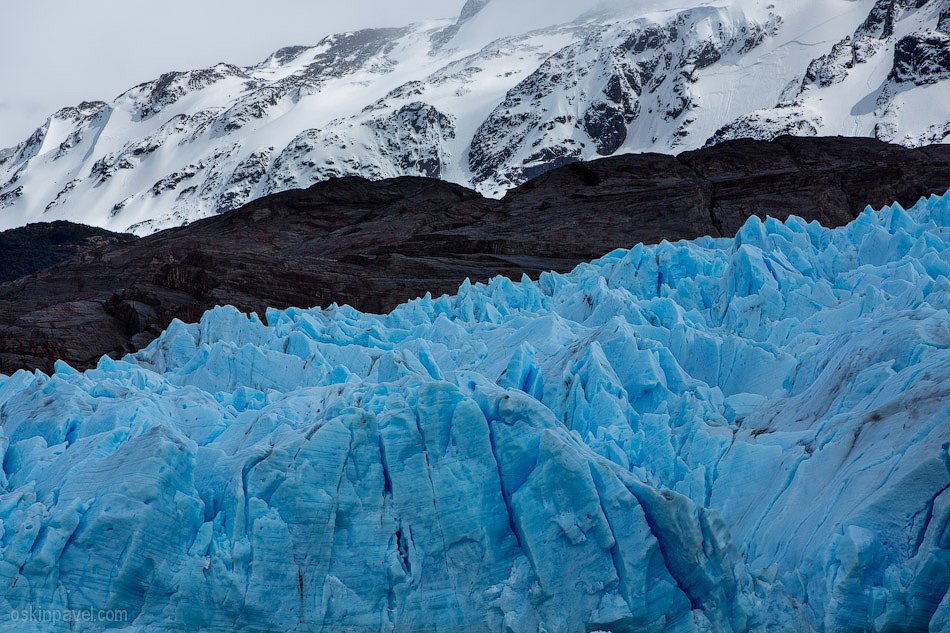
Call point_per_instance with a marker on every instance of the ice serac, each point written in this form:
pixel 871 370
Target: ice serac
pixel 745 434
pixel 510 89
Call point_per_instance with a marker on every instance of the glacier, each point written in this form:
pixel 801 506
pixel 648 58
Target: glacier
pixel 720 435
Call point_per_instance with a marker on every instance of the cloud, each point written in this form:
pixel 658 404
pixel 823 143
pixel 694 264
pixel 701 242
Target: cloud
pixel 60 53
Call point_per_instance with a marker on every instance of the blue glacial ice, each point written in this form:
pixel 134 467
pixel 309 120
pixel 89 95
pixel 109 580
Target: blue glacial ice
pixel 718 435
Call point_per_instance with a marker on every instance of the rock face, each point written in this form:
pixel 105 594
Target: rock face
pixel 508 91
pixel 741 435
pixel 374 245
pixel 922 58
pixel 36 246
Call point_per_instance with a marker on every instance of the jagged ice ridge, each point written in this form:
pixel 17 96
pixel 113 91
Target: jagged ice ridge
pixel 744 434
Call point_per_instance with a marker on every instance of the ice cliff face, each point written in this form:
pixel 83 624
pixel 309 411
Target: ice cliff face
pixel 744 434
pixel 507 91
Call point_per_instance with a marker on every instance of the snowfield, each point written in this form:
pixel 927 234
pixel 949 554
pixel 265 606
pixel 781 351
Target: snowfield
pixel 507 91
pixel 744 434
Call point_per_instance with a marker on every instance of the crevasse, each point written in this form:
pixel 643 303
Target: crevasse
pixel 744 434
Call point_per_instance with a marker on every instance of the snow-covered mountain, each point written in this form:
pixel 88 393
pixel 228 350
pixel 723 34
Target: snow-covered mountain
pixel 508 90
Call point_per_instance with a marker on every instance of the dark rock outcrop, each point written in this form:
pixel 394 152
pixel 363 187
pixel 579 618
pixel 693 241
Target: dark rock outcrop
pixel 36 246
pixel 375 244
pixel 922 58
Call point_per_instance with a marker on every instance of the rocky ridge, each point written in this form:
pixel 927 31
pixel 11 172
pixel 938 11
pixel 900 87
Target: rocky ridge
pixel 376 244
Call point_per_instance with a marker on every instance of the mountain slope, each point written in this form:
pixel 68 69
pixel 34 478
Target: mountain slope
pixel 376 244
pixel 505 93
pixel 886 79
pixel 740 435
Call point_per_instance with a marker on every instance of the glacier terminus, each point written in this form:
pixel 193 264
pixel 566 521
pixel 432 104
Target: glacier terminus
pixel 720 435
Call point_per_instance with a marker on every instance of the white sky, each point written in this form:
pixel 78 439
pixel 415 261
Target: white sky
pixel 60 52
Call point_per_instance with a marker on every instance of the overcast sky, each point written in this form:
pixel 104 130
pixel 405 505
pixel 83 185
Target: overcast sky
pixel 60 52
